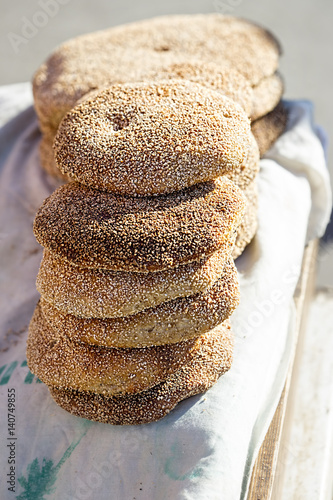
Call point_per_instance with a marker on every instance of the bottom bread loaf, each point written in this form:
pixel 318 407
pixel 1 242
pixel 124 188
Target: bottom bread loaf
pixel 213 358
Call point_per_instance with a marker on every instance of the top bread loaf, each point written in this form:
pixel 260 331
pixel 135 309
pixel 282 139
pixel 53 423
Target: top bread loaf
pixel 152 138
pixel 127 53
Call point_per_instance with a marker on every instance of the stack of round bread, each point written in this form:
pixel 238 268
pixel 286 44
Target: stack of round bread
pixel 137 280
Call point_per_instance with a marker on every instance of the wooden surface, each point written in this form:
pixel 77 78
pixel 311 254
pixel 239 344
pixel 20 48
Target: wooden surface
pixel 305 462
pixel 264 469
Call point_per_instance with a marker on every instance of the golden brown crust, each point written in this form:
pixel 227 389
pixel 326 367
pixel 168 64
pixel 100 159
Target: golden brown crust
pixel 268 129
pixel 249 225
pixel 82 65
pixel 98 293
pixel 47 160
pixel 241 176
pixel 102 230
pixel 249 48
pixel 57 360
pixel 212 359
pixel 173 321
pixel 223 78
pixel 121 54
pixel 266 95
pixel 246 173
pixel 152 138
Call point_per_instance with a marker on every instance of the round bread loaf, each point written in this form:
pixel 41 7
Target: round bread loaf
pixel 57 360
pixel 268 129
pixel 82 65
pixel 249 225
pixel 171 322
pixel 98 293
pixel 245 174
pixel 123 53
pixel 266 95
pixel 152 138
pixel 223 78
pixel 250 49
pixel 212 358
pixel 47 160
pixel 101 230
pixel 256 101
pixel 241 175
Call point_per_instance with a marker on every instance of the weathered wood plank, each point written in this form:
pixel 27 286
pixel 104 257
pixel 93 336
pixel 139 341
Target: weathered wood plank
pixel 265 466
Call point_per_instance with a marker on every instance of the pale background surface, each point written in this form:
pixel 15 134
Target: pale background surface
pixel 304 28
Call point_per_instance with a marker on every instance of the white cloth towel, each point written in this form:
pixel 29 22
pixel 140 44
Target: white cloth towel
pixel 205 448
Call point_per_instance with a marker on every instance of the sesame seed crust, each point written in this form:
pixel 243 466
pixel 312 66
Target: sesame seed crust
pixel 75 69
pixel 122 53
pixel 268 129
pixel 101 230
pixel 137 278
pixel 241 176
pixel 47 160
pixel 249 48
pixel 266 95
pixel 246 173
pixel 170 322
pixel 212 359
pixel 223 78
pixel 152 138
pixel 101 293
pixel 249 225
pixel 57 360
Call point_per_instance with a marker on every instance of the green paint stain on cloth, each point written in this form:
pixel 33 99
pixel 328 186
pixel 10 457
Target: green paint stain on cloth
pixel 41 479
pixel 29 378
pixel 8 373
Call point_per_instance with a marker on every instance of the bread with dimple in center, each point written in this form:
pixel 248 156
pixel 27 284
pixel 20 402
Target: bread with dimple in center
pixel 152 138
pixel 124 53
pixel 241 176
